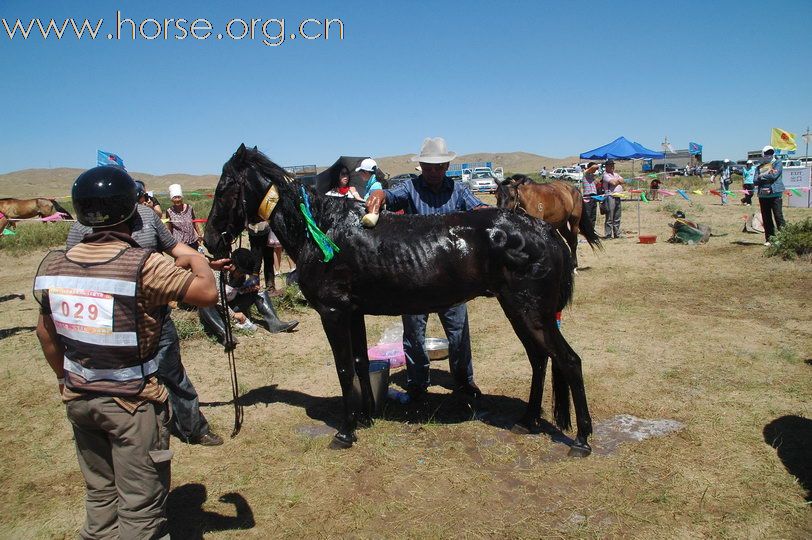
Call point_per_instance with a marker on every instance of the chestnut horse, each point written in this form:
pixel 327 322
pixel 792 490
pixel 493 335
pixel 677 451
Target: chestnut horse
pixel 557 203
pixel 29 208
pixel 409 264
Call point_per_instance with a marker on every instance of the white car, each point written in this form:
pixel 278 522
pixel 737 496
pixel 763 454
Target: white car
pixel 566 173
pixel 482 181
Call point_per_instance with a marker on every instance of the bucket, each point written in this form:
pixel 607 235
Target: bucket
pixel 378 379
pixel 647 238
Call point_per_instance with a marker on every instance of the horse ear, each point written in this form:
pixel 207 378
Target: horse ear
pixel 240 151
pixel 255 149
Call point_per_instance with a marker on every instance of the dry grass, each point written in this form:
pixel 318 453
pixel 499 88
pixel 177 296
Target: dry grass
pixel 715 336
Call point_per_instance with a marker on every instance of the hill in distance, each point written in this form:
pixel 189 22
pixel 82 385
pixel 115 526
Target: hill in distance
pixel 56 183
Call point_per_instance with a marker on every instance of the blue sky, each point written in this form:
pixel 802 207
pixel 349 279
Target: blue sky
pixel 550 77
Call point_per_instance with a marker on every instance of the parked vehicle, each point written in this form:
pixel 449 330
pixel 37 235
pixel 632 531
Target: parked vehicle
pixel 668 168
pixel 566 173
pixel 482 181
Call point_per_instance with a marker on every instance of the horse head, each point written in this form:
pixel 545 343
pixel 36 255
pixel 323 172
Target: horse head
pixel 247 192
pixel 507 193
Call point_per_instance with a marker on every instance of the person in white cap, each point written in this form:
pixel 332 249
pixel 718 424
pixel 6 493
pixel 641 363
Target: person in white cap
pixel 771 193
pixel 181 218
pixel 433 193
pixel 367 170
pixel 748 182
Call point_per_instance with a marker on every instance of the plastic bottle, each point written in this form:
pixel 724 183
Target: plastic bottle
pixel 397 395
pixel 248 325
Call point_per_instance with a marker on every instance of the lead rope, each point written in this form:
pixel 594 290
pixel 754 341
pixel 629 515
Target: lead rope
pixel 232 362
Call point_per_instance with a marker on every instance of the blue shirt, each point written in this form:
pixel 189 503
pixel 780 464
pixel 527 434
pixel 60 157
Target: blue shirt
pixel 749 175
pixel 372 185
pixel 415 197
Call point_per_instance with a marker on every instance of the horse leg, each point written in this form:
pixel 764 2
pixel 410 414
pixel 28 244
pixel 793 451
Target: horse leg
pixel 358 334
pixel 337 327
pixel 567 364
pixel 533 340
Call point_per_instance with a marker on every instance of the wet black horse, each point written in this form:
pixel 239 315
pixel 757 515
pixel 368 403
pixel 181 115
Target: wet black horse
pixel 410 265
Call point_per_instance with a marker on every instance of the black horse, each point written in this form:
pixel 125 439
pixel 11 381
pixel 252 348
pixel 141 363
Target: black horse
pixel 411 265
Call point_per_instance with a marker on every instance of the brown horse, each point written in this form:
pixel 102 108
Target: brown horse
pixel 557 203
pixel 29 208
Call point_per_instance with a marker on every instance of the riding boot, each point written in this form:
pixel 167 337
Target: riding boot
pixel 211 319
pixel 268 312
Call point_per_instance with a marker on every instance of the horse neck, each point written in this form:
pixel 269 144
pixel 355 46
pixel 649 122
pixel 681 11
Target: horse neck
pixel 287 220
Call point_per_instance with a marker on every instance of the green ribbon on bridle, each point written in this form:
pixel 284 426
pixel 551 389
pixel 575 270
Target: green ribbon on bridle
pixel 326 245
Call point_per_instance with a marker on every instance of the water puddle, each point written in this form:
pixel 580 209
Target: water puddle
pixel 314 430
pixel 623 428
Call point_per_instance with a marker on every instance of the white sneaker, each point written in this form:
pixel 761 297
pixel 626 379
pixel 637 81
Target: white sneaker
pixel 767 243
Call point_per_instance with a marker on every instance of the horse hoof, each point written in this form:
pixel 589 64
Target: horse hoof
pixel 520 429
pixel 342 441
pixel 365 421
pixel 579 450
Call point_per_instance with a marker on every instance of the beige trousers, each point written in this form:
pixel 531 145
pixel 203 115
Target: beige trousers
pixel 125 459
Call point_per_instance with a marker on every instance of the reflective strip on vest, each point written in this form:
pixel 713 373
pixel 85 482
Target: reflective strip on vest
pixel 123 374
pixel 103 285
pixel 112 339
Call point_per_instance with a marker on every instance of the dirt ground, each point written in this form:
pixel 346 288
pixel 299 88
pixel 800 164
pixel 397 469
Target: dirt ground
pixel 715 337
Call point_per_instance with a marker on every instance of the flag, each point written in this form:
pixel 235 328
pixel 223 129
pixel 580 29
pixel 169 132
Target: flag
pixel 683 195
pixel 694 148
pixel 106 158
pixel 783 140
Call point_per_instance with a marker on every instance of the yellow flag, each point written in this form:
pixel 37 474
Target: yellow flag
pixel 783 140
pixel 697 191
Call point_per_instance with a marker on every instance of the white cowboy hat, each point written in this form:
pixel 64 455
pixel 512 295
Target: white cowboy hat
pixel 434 150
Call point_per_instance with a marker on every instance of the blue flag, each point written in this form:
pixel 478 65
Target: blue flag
pixel 106 158
pixel 694 148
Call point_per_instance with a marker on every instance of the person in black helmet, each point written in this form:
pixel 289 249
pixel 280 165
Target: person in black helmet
pixel 148 200
pixel 102 305
pixel 188 422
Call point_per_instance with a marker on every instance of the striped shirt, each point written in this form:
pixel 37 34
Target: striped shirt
pixel 588 186
pixel 415 197
pixel 147 229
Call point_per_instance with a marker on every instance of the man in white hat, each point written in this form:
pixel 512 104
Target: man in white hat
pixel 433 193
pixel 367 169
pixel 770 187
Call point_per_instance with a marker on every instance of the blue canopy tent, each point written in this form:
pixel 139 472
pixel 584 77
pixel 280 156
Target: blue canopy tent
pixel 624 149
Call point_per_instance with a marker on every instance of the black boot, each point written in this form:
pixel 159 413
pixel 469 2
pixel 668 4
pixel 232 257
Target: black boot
pixel 211 320
pixel 266 309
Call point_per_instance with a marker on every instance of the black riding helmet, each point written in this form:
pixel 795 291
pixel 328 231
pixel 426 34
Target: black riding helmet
pixel 104 197
pixel 140 189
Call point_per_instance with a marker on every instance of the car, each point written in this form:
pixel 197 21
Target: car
pixel 667 167
pixel 566 173
pixel 482 181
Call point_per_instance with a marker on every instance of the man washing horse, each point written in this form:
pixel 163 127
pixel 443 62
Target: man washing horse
pixel 433 193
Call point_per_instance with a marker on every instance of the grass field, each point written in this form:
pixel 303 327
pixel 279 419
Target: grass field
pixel 716 337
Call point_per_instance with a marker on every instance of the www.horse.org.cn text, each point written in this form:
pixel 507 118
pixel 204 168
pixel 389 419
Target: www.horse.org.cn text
pixel 271 32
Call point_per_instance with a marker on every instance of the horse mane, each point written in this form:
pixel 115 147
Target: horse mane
pixel 519 179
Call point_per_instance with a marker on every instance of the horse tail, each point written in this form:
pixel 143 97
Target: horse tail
pixel 567 286
pixel 587 228
pixel 510 246
pixel 59 208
